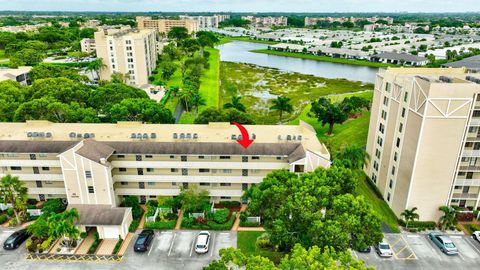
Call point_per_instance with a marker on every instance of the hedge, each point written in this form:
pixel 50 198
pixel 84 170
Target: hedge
pixel 95 244
pixel 471 227
pixel 160 225
pixel 117 246
pixel 419 225
pixel 134 225
pixel 3 218
pixel 211 225
pixel 249 224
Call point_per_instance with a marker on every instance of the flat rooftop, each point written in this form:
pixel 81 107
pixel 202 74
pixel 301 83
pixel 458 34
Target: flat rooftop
pixel 437 75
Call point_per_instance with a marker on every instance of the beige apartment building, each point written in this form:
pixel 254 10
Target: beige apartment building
pixel 164 25
pixel 206 21
pixel 94 165
pixel 88 45
pixel 127 51
pixel 424 139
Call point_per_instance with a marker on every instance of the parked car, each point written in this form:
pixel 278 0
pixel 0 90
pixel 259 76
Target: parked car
pixel 143 241
pixel 16 239
pixel 476 235
pixel 365 250
pixel 444 243
pixel 383 249
pixel 202 243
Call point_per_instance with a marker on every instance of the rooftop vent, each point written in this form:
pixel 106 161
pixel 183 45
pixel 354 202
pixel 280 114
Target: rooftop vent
pixel 195 135
pixel 153 135
pixel 182 135
pixel 423 78
pixel 445 79
pixel 473 79
pixel 48 134
pixel 253 136
pixel 79 135
pixel 133 136
pixel 29 134
pixel 72 135
pixel 234 136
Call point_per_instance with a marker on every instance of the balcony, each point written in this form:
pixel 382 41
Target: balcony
pixel 471 153
pixel 47 190
pixel 29 163
pixel 199 165
pixel 37 177
pixel 188 178
pixel 175 192
pixel 469 168
pixel 475 122
pixel 463 196
pixel 467 182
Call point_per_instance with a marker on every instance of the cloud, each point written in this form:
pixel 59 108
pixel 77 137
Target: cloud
pixel 245 5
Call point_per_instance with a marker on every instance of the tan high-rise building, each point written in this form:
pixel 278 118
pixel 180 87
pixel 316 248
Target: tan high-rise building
pixel 164 25
pixel 424 139
pixel 130 52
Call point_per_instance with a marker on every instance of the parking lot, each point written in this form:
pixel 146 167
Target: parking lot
pixel 417 251
pixel 175 250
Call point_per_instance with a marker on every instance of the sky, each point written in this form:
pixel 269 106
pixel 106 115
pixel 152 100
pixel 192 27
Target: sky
pixel 245 5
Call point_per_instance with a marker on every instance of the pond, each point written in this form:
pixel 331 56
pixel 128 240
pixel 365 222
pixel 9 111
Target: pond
pixel 239 52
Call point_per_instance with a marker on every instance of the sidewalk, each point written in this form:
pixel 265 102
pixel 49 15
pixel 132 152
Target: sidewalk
pixel 106 247
pixel 86 243
pixel 179 220
pixel 125 244
pixel 142 221
pixel 236 224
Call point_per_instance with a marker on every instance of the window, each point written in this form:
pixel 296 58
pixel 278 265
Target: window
pixel 138 157
pixel 224 157
pixel 398 142
pixel 141 185
pixel 225 184
pixel 458 187
pixel 279 158
pixel 121 156
pixel 393 170
pixel 244 159
pixel 171 157
pixel 388 196
pixel 202 184
pixel 150 169
pixel 45 168
pixel 33 156
pixel 90 189
pixel 151 183
pixel 204 170
pixel 201 157
pixel 174 170
pixel 122 169
pixel 462 173
pixel 225 197
pixel 395 156
pixel 388 87
pixel 148 156
pixel 379 141
pixel 403 112
pixel 468 144
pixel 375 165
pixel 374 178
pixel 377 153
pixel 465 189
pixel 476 113
pixel 245 172
pixel 381 128
pixel 88 174
pixel 244 186
pixel 184 171
pixel 16 168
pixel 183 158
pixel 469 175
pixel 124 183
pixel 385 101
pixel 255 157
pixel 174 183
pixel 405 97
pixel 400 128
pixel 227 170
pixel 391 183
pixel 384 115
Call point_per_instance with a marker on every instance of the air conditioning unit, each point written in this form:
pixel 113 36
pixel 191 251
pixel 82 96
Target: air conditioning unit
pixel 86 135
pixel 153 135
pixel 234 137
pixel 92 135
pixel 279 137
pixel 35 134
pixel 175 135
pixel 145 135
pixel 289 137
pixel 139 135
pixel 41 134
pixel 299 137
pixel 72 134
pixel 182 135
pixel 29 134
pixel 253 136
pixel 195 135
pixel 240 137
pixel 189 135
pixel 133 136
pixel 48 134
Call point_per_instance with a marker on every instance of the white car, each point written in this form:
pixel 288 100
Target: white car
pixel 383 249
pixel 203 242
pixel 476 235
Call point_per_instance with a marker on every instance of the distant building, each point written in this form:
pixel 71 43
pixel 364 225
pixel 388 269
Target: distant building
pixel 92 23
pixel 88 45
pixel 19 75
pixel 129 52
pixel 207 21
pixel 423 139
pixel 404 59
pixel 164 26
pixel 471 63
pixel 266 21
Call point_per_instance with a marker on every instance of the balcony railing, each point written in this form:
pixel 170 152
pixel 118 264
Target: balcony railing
pixel 467 182
pixel 464 196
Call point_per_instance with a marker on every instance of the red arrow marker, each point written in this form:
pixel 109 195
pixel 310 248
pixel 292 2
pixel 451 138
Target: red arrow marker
pixel 245 141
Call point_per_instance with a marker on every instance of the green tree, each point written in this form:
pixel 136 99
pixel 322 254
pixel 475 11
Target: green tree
pixel 355 104
pixel 71 113
pixel 45 71
pixel 29 57
pixel 409 215
pixel 141 109
pixel 355 155
pixel 186 94
pixel 193 199
pixel 178 33
pixel 96 66
pixel 282 104
pixel 329 113
pixel 61 89
pixel 13 191
pixel 197 100
pixel 63 225
pixel 12 95
pixel 230 115
pixel 107 95
pixel 168 69
pixel 235 103
pixel 449 218
pixel 39 228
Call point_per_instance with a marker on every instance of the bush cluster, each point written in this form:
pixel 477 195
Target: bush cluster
pixel 418 225
pixel 134 225
pixel 161 225
pixel 95 244
pixel 3 218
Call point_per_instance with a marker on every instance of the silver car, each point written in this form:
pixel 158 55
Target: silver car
pixel 383 249
pixel 203 242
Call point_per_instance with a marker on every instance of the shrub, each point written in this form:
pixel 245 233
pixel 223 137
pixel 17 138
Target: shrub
pixel 152 203
pixel 13 222
pixel 230 203
pixel 418 225
pixel 47 243
pixel 95 243
pixel 222 227
pixel 263 241
pixel 161 225
pixel 249 224
pixel 187 222
pixel 10 212
pixel 117 246
pixel 31 247
pixel 3 218
pixel 472 227
pixel 134 225
pixel 53 206
pixel 200 220
pixel 83 235
pixel 243 217
pixel 221 215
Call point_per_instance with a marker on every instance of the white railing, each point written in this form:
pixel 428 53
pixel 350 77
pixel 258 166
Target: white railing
pixel 196 215
pixel 468 182
pixel 471 153
pixel 254 219
pixel 34 212
pixel 152 218
pixel 4 206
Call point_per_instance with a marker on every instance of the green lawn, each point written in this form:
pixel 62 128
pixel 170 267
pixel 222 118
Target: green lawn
pixel 225 39
pixel 2 54
pixel 209 83
pixel 384 212
pixel 246 243
pixel 325 58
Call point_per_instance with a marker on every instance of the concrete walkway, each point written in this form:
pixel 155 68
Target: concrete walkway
pixel 179 220
pixel 142 221
pixel 236 224
pixel 251 229
pixel 86 243
pixel 125 244
pixel 106 247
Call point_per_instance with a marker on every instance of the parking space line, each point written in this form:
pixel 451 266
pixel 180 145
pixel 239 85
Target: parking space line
pixel 193 244
pixel 151 246
pixel 213 245
pixel 171 245
pixel 472 245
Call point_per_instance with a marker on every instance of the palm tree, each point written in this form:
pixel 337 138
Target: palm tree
pixel 197 100
pixel 235 103
pixel 282 104
pixel 13 191
pixel 410 215
pixel 96 66
pixel 185 95
pixel 449 217
pixel 63 225
pixel 356 155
